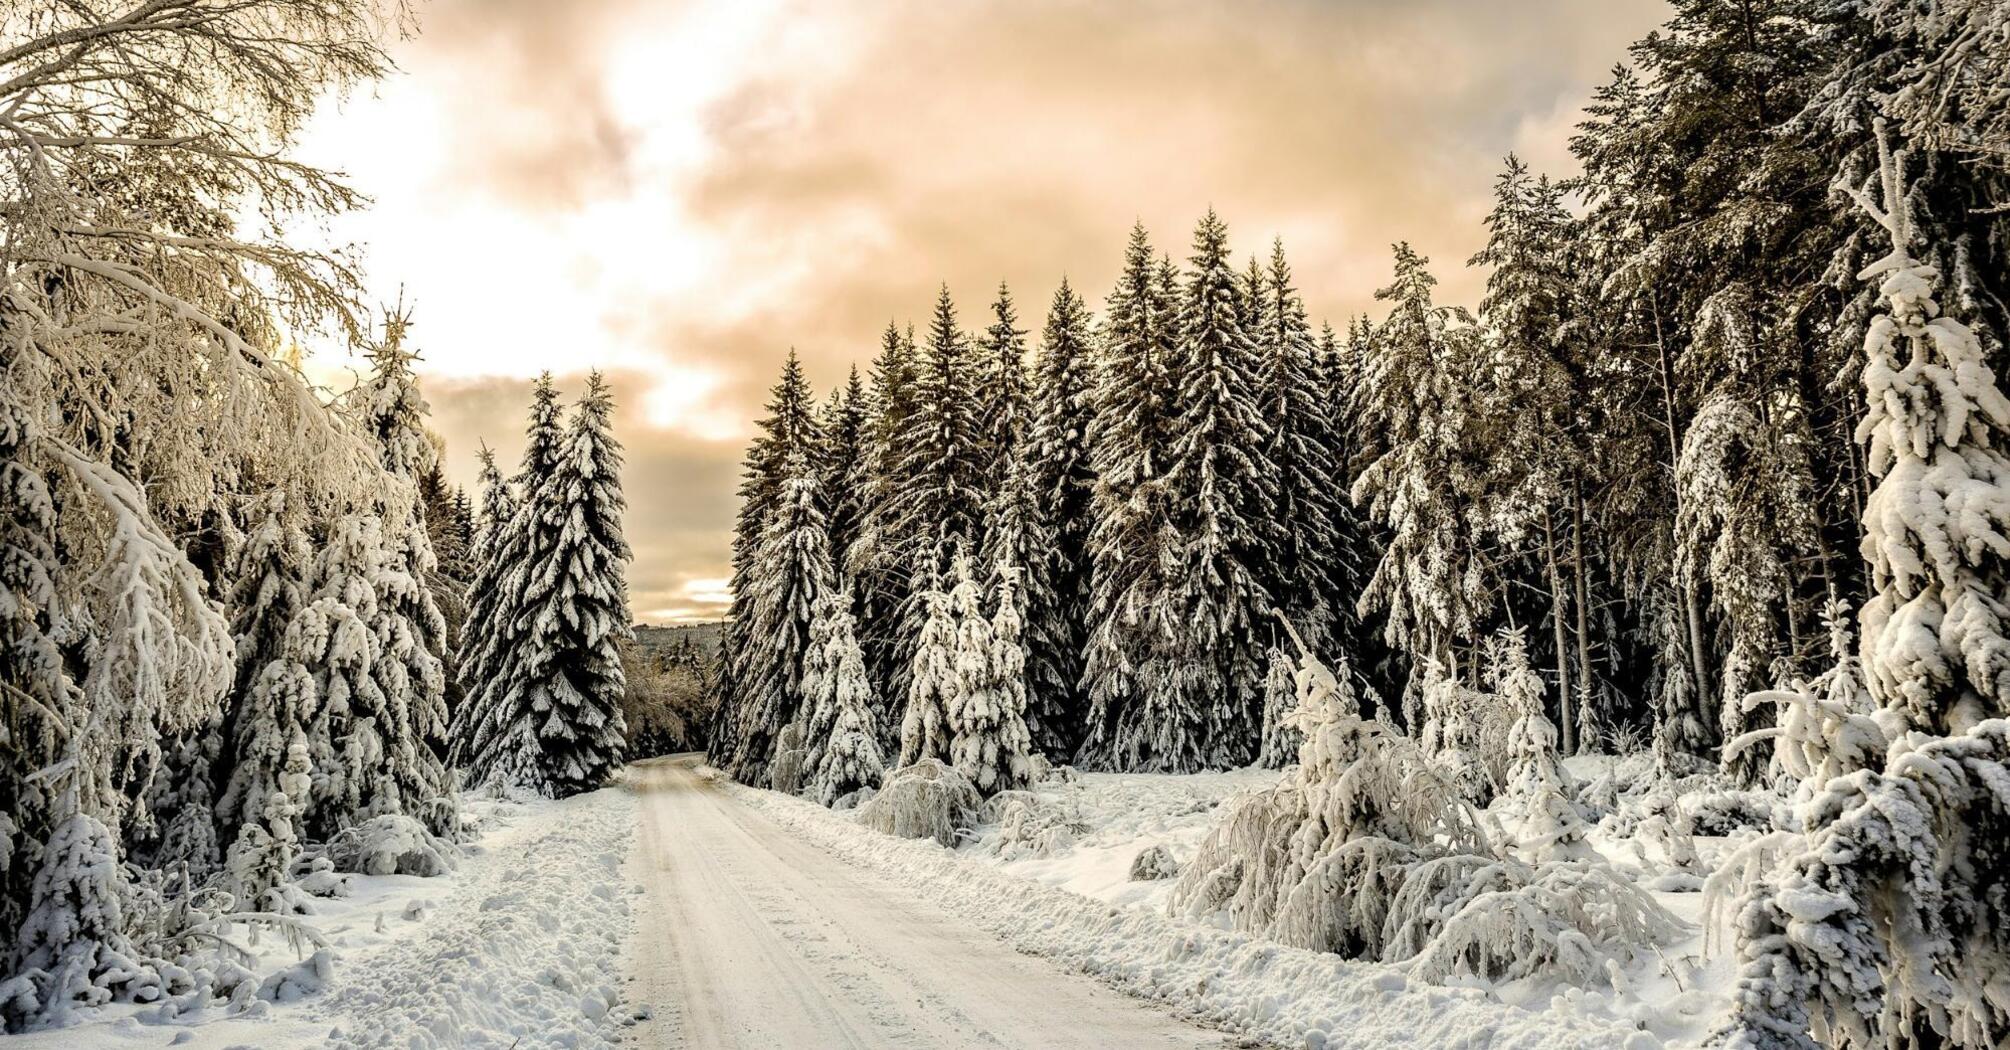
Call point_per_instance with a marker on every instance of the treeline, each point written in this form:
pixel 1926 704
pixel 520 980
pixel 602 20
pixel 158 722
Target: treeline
pixel 1640 447
pixel 230 602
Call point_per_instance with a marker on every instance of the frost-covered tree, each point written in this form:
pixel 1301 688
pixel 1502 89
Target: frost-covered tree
pixel 1004 408
pixel 1536 805
pixel 842 719
pixel 261 858
pixel 847 456
pixel 791 579
pixel 1062 480
pixel 1128 440
pixel 877 561
pixel 987 713
pixel 479 643
pixel 358 731
pixel 1303 574
pixel 578 604
pixel 790 431
pixel 933 681
pixel 1884 927
pixel 1415 399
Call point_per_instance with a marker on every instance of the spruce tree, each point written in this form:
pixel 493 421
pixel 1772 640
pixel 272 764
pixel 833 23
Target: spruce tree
pixel 933 684
pixel 353 731
pixel 487 609
pixel 1004 410
pixel 498 731
pixel 267 593
pixel 1303 574
pixel 846 424
pixel 1062 480
pixel 842 722
pixel 578 605
pixel 790 578
pixel 876 561
pixel 989 743
pixel 1128 562
pixel 789 430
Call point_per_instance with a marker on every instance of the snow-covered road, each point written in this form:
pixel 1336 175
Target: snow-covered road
pixel 747 937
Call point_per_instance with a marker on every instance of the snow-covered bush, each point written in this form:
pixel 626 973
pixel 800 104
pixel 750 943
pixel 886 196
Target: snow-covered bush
pixel 1536 807
pixel 925 800
pixel 1028 827
pixel 1152 864
pixel 391 844
pixel 1368 848
pixel 73 949
pixel 1280 696
pixel 785 773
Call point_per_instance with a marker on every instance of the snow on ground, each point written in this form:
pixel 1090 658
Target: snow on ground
pixel 518 947
pixel 1071 908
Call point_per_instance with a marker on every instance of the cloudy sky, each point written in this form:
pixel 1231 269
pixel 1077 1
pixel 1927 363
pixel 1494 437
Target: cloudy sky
pixel 678 193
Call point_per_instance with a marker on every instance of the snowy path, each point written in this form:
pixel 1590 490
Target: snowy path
pixel 747 937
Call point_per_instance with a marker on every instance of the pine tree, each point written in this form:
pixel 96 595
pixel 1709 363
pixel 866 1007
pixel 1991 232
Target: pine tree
pixel 480 639
pixel 1063 481
pixel 1304 575
pixel 497 731
pixel 847 437
pixel 925 730
pixel 842 722
pixel 990 744
pixel 1129 561
pixel 415 631
pixel 1004 411
pixel 578 605
pixel 791 577
pixel 358 733
pixel 788 432
pixel 1421 479
pixel 876 560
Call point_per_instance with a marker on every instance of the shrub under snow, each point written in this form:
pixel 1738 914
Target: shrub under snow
pixel 392 844
pixel 925 800
pixel 1370 849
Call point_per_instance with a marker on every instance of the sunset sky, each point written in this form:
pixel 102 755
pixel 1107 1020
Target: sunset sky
pixel 678 193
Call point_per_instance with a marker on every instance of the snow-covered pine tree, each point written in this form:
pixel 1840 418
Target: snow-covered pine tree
pixel 488 610
pixel 1536 802
pixel 1128 561
pixel 1886 926
pixel 790 580
pixel 1422 474
pixel 846 425
pixel 261 858
pixel 933 682
pixel 1303 573
pixel 268 588
pixel 1222 491
pixel 358 731
pixel 1004 408
pixel 1281 737
pixel 842 723
pixel 789 430
pixel 394 412
pixel 270 720
pixel 938 503
pixel 876 560
pixel 987 713
pixel 576 602
pixel 496 734
pixel 1063 483
pixel 1017 535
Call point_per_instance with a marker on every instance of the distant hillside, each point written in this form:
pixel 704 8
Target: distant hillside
pixel 654 639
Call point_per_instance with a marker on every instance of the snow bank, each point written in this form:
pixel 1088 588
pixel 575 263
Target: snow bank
pixel 1287 995
pixel 525 954
pixel 518 946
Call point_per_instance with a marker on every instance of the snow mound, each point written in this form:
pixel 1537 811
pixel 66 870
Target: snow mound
pixel 392 844
pixel 925 800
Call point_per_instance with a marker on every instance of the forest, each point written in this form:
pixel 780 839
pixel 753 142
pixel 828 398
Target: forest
pixel 1712 474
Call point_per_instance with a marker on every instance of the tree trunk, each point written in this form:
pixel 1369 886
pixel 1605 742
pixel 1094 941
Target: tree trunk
pixel 1557 629
pixel 1583 594
pixel 1699 659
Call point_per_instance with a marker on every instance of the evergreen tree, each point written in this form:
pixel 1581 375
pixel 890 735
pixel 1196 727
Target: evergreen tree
pixel 487 610
pixel 353 732
pixel 842 723
pixel 933 682
pixel 1129 560
pixel 497 735
pixel 1423 475
pixel 578 605
pixel 790 579
pixel 1056 572
pixel 1304 575
pixel 1004 410
pixel 847 458
pixel 989 742
pixel 788 431
pixel 876 561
